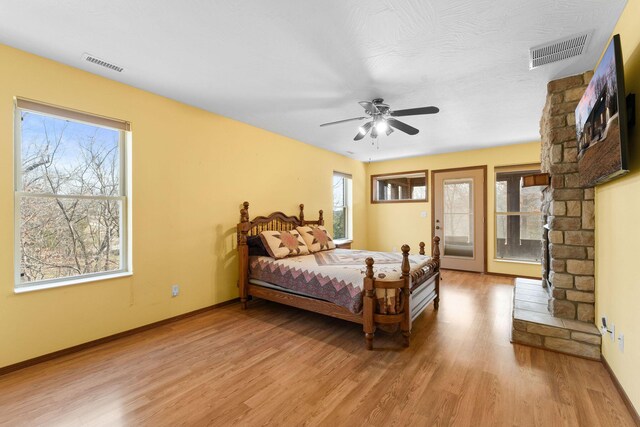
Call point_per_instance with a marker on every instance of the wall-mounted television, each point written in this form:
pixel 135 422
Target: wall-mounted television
pixel 601 122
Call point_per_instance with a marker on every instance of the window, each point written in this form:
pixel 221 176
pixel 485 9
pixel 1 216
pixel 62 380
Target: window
pixel 399 187
pixel 342 206
pixel 457 195
pixel 518 216
pixel 71 201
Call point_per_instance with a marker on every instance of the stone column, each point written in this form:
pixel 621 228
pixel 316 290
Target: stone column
pixel 569 208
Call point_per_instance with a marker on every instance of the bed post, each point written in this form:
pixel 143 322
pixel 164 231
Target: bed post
pixel 369 305
pixel 405 325
pixel 243 252
pixel 435 254
pixel 321 217
pixel 421 248
pixel 302 214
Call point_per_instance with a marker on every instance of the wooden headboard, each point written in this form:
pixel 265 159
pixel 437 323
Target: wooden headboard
pixel 277 221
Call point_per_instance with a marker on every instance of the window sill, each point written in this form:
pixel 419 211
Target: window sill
pixel 382 202
pixel 342 241
pixel 71 282
pixel 513 261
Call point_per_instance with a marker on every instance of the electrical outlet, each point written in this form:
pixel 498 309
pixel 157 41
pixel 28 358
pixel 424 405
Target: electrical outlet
pixel 603 326
pixel 607 328
pixel 621 342
pixel 394 249
pixel 612 332
pixel 423 214
pixel 175 290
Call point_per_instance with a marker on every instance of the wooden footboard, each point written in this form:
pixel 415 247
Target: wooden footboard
pixel 410 300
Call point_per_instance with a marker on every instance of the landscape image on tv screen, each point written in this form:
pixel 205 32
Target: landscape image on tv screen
pixel 600 121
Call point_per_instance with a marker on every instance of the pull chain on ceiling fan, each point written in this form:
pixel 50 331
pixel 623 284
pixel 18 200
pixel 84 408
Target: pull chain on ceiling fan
pixel 382 119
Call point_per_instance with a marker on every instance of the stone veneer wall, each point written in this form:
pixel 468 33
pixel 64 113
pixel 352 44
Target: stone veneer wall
pixel 569 208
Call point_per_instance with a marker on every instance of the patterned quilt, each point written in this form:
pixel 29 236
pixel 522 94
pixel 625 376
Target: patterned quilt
pixel 336 275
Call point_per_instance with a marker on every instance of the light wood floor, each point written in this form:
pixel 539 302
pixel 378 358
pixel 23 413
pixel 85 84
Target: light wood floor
pixel 277 365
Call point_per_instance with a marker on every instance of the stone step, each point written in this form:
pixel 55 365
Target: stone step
pixel 533 324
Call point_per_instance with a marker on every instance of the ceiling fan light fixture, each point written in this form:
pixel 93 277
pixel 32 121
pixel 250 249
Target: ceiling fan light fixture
pixel 382 126
pixel 382 120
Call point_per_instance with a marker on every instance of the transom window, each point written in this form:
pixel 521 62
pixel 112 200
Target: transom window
pixel 518 216
pixel 71 200
pixel 399 187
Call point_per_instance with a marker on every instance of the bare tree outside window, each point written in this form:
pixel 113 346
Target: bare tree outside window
pixel 71 199
pixel 458 217
pixel 341 206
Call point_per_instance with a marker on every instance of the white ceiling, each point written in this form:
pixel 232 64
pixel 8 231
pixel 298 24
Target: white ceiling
pixel 289 65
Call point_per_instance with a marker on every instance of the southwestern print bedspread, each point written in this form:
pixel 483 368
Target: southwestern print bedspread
pixel 337 275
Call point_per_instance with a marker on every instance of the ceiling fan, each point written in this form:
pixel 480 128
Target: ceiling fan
pixel 382 119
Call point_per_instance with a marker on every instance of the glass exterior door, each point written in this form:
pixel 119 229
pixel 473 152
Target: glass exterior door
pixel 459 218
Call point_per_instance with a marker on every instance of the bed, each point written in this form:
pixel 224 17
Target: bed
pixel 375 289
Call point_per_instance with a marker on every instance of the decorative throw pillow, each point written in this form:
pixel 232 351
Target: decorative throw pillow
pixel 281 244
pixel 256 247
pixel 316 238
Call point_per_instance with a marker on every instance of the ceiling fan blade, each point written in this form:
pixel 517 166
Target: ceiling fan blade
pixel 415 111
pixel 369 107
pixel 365 127
pixel 402 126
pixel 342 121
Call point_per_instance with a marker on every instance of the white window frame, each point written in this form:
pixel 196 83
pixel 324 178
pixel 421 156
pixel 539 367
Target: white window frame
pixel 348 200
pixel 126 261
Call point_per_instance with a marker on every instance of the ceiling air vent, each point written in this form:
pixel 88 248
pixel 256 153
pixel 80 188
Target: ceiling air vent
pixel 90 58
pixel 558 50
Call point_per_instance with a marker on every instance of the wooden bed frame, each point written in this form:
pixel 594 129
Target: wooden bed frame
pixel 412 301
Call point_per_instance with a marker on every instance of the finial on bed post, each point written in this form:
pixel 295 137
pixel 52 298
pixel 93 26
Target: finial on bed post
pixel 369 262
pixel 302 214
pixel 321 217
pixel 435 251
pixel 421 244
pixel 405 325
pixel 405 260
pixel 369 305
pixel 244 212
pixel 243 227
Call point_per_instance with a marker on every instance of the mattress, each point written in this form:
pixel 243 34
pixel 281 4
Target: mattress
pixel 337 275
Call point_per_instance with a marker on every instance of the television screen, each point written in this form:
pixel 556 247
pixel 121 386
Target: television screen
pixel 601 123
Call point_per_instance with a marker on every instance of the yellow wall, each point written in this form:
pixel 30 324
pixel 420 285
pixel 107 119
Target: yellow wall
pixel 384 219
pixel 618 233
pixel 187 188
